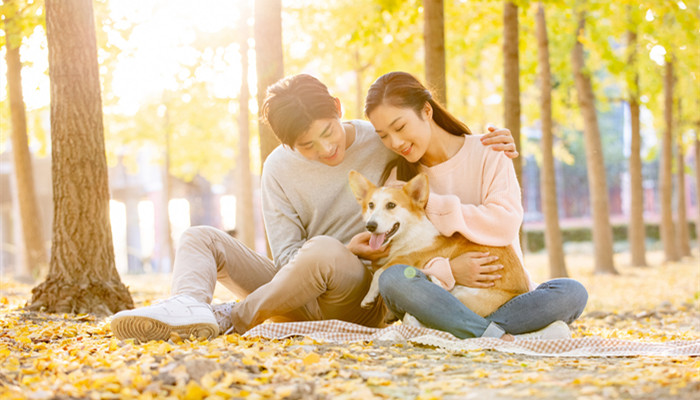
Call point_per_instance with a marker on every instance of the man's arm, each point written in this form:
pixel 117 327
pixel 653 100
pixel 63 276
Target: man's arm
pixel 285 232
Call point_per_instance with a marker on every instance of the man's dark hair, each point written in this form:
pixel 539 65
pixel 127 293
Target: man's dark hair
pixel 294 103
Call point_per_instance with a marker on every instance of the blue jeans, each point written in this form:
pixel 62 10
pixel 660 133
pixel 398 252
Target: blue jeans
pixel 408 290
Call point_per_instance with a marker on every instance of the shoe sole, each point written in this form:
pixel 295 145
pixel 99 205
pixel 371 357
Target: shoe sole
pixel 145 329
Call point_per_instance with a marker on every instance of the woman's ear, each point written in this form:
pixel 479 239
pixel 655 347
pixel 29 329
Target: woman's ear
pixel 428 111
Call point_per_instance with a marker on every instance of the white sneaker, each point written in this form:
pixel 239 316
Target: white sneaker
pixel 181 315
pixel 222 313
pixel 555 330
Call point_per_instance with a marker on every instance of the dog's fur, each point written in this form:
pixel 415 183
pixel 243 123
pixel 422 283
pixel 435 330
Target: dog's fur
pixel 396 215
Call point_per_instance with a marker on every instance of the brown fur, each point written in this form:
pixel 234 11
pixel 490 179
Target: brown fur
pixel 417 248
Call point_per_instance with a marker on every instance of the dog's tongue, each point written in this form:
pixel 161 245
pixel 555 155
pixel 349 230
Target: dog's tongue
pixel 376 240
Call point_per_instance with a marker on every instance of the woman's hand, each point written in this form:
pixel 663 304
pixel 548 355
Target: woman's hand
pixel 500 139
pixel 359 246
pixel 471 270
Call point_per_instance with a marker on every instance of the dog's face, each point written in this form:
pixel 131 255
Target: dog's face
pixel 389 211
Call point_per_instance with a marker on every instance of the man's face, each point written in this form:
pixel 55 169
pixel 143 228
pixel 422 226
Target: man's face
pixel 324 142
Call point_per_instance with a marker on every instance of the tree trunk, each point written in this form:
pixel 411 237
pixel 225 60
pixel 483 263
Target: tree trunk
pixel 697 183
pixel 668 236
pixel 269 64
pixel 682 226
pixel 548 184
pixel 166 247
pixel 268 61
pixel 635 229
pixel 245 223
pixel 597 181
pixel 82 275
pixel 434 37
pixel 511 78
pixel 34 251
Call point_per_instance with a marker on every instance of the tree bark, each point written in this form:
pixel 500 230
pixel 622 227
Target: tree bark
pixel 668 236
pixel 697 182
pixel 82 275
pixel 434 37
pixel 548 184
pixel 511 78
pixel 597 181
pixel 682 226
pixel 269 63
pixel 635 229
pixel 33 239
pixel 245 223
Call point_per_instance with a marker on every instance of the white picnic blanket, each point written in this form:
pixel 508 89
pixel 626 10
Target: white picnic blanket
pixel 339 331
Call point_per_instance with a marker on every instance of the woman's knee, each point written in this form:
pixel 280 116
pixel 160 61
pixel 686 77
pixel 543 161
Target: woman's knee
pixel 396 280
pixel 571 293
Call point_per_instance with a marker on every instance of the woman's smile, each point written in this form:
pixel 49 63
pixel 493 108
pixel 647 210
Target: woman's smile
pixel 406 150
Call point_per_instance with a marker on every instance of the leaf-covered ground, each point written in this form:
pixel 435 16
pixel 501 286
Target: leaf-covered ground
pixel 45 356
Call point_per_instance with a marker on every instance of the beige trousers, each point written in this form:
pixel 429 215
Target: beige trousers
pixel 323 281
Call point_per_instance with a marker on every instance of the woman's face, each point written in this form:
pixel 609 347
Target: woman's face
pixel 402 130
pixel 324 141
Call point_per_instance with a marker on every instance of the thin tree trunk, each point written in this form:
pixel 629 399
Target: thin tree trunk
pixel 82 275
pixel 359 88
pixel 635 229
pixel 597 181
pixel 697 183
pixel 511 78
pixel 167 247
pixel 34 251
pixel 548 184
pixel 683 234
pixel 434 36
pixel 668 236
pixel 245 224
pixel 269 64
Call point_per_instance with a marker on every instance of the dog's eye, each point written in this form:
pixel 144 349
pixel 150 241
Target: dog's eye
pixel 389 206
pixel 370 205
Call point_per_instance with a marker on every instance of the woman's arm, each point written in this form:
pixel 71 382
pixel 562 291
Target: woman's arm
pixel 494 222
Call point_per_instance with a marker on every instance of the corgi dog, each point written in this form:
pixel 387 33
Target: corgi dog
pixel 396 216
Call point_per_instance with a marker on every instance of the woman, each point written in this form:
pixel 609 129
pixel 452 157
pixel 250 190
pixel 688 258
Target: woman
pixel 474 193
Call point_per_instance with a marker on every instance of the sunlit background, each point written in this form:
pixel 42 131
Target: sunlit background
pixel 171 69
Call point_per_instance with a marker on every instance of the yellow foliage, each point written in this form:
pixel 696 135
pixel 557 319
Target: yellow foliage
pixel 43 356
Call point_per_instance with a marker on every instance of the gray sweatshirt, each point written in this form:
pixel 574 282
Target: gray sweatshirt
pixel 302 199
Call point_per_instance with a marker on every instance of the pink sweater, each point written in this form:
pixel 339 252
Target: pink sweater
pixel 477 194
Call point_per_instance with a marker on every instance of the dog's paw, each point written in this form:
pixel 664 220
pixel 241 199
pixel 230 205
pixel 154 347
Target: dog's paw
pixel 367 302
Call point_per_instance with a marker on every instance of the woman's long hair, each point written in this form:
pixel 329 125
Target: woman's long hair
pixel 401 89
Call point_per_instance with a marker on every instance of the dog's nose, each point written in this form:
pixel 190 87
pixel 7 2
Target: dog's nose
pixel 371 226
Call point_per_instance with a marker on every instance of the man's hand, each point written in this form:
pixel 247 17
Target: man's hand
pixel 500 139
pixel 359 245
pixel 471 270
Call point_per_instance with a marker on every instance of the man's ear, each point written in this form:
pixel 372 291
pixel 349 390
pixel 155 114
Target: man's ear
pixel 418 189
pixel 338 106
pixel 359 185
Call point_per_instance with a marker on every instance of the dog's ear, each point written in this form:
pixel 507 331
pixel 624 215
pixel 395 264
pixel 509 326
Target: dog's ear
pixel 418 189
pixel 359 185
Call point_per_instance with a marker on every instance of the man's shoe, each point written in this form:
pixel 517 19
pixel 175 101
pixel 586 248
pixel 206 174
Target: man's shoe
pixel 555 330
pixel 222 313
pixel 181 315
